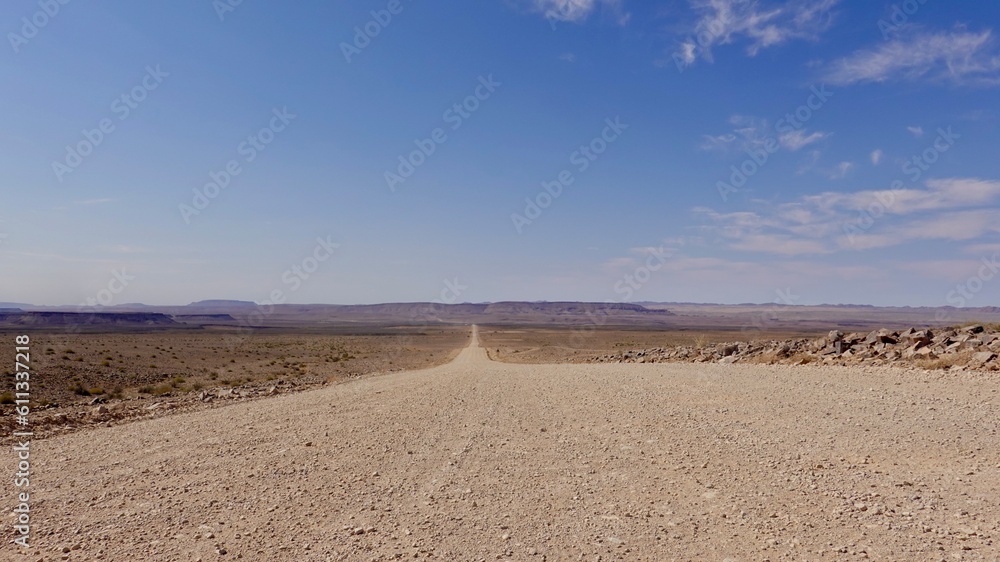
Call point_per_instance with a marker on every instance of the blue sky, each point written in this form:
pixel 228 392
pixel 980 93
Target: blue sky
pixel 840 151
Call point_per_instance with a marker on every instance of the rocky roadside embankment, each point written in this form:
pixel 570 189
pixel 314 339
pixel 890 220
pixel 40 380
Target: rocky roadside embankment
pixel 965 348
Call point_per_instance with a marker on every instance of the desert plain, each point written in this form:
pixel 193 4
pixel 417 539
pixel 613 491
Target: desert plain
pixel 542 440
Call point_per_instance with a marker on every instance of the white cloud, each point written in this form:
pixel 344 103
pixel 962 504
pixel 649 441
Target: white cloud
pixel 751 133
pixel 723 22
pixel 941 194
pixel 916 131
pixel 952 226
pixel 841 170
pixel 983 249
pixel 799 139
pixel 946 209
pixel 718 142
pixel 781 244
pixel 958 57
pixel 576 11
pixel 568 57
pixel 877 156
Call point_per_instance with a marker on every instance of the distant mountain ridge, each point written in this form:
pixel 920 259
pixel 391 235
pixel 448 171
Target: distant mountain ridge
pixel 216 303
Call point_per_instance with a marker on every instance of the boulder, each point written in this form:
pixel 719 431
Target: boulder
pixel 982 358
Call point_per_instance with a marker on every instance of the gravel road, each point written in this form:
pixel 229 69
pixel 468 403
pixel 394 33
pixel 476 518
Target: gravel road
pixel 480 460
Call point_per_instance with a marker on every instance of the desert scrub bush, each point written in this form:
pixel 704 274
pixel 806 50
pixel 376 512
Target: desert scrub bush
pixel 145 389
pixel 946 360
pixel 803 359
pixel 79 390
pixel 7 398
pixel 162 389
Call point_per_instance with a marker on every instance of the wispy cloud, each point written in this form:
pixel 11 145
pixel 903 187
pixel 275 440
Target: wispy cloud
pixel 959 57
pixel 840 171
pixel 751 133
pixel 799 139
pixel 951 226
pixel 877 156
pixel 568 57
pixel 781 244
pixel 576 11
pixel 759 24
pixel 941 194
pixel 101 201
pixel 916 131
pixel 946 209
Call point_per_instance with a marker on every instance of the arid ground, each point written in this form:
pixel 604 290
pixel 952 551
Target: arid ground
pixel 137 375
pixel 483 460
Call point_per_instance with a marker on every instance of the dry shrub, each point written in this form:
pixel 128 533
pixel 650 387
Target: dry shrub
pixel 946 361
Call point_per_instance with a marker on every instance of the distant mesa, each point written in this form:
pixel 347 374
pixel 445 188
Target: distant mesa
pixel 570 308
pixel 222 303
pixel 203 318
pixel 46 319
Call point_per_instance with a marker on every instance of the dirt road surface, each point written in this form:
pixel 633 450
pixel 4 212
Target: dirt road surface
pixel 480 460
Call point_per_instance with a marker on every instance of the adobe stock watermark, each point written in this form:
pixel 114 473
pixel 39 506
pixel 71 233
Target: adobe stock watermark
pixel 122 107
pixel 248 150
pixel 899 16
pixel 454 117
pixel 758 157
pixel 966 292
pixel 625 288
pixel 292 279
pixel 580 159
pixel 366 33
pixel 914 168
pixel 768 318
pixel 33 24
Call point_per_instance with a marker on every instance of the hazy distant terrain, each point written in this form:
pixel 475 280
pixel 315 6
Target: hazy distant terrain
pixel 744 317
